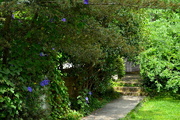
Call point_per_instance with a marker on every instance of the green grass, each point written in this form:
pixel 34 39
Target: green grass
pixel 156 109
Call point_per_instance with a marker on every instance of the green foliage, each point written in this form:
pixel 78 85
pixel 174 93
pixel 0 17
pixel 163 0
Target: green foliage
pixel 28 57
pixel 97 43
pixel 120 67
pixel 160 61
pixel 38 36
pixel 73 115
pixel 10 101
pixel 88 101
pixel 82 100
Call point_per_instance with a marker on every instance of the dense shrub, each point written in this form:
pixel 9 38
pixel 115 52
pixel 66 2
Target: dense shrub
pixel 34 48
pixel 160 61
pixel 31 84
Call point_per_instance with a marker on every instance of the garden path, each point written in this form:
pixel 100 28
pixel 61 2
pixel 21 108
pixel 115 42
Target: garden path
pixel 120 107
pixel 116 109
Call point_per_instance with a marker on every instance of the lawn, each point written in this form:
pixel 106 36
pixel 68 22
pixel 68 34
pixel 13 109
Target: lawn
pixel 158 108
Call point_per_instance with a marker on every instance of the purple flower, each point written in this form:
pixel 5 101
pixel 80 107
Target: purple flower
pixel 29 89
pixel 44 82
pixel 86 2
pixel 13 16
pixel 42 54
pixel 87 100
pixel 53 48
pixel 64 19
pixel 90 93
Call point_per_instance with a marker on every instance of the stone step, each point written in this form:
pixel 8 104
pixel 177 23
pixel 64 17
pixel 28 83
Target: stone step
pixel 129 83
pixel 133 80
pixel 128 89
pixel 132 77
pixel 131 93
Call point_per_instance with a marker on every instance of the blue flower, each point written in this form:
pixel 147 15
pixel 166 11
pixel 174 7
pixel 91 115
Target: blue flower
pixel 86 2
pixel 13 16
pixel 44 82
pixel 29 89
pixel 42 54
pixel 64 19
pixel 90 93
pixel 53 48
pixel 87 100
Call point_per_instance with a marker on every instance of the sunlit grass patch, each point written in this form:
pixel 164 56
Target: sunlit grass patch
pixel 156 109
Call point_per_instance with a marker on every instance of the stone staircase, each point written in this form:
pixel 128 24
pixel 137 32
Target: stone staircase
pixel 130 85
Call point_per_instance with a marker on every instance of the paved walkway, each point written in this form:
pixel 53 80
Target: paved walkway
pixel 115 109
